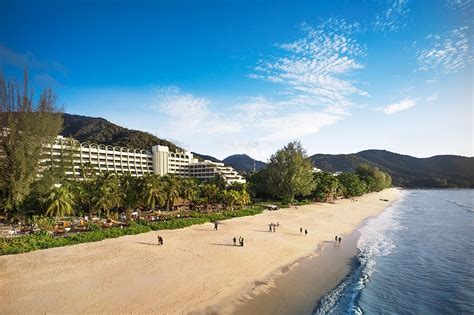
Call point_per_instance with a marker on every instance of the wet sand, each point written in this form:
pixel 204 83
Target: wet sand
pixel 301 285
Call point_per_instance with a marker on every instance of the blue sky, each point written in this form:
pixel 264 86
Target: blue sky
pixel 226 77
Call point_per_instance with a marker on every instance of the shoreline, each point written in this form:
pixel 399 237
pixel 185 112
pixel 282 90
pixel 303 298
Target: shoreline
pixel 299 287
pixel 196 269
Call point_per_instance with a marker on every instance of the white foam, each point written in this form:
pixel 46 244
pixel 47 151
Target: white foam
pixel 375 241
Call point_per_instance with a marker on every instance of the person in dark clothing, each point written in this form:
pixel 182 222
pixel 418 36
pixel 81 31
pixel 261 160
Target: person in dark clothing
pixel 305 232
pixel 215 226
pixel 235 241
pixel 270 227
pixel 339 240
pixel 242 242
pixel 301 230
pixel 335 239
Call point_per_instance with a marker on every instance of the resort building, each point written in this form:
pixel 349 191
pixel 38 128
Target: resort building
pixel 74 156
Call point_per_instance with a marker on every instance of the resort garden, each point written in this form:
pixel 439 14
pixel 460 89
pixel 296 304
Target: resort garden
pixel 43 207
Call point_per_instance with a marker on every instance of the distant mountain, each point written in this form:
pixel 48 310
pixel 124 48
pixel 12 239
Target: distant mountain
pixel 101 131
pixel 442 171
pixel 244 163
pixel 206 157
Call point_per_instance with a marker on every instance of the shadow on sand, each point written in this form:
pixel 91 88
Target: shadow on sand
pixel 223 244
pixel 153 244
pixel 266 231
pixel 207 230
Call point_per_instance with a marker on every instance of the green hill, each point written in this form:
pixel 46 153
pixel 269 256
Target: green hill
pixel 442 171
pixel 244 163
pixel 99 130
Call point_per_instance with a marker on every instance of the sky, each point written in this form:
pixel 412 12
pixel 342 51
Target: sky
pixel 230 77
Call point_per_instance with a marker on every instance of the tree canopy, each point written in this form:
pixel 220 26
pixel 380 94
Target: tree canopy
pixel 26 125
pixel 290 172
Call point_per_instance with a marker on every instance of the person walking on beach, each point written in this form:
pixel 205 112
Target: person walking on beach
pixel 215 226
pixel 242 242
pixel 339 240
pixel 305 232
pixel 335 239
pixel 158 239
pixel 274 227
pixel 235 241
pixel 301 230
pixel 270 227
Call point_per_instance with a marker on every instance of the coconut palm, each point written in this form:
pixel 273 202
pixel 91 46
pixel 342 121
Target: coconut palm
pixel 132 188
pixel 230 198
pixel 60 201
pixel 243 198
pixel 210 192
pixel 109 194
pixel 189 189
pixel 171 189
pixel 153 191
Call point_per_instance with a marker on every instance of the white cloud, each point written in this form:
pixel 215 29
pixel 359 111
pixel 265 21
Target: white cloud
pixel 462 6
pixel 296 125
pixel 404 104
pixel 314 73
pixel 314 70
pixel 432 97
pixel 393 18
pixel 445 54
pixel 188 114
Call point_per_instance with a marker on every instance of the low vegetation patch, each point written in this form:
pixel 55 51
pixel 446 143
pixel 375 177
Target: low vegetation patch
pixel 43 240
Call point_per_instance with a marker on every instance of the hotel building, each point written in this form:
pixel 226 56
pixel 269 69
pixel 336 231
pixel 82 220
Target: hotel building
pixel 73 155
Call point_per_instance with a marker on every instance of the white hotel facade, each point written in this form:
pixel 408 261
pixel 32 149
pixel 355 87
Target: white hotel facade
pixel 121 160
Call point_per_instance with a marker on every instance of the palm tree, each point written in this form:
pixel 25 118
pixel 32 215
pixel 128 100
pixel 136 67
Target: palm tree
pixel 171 189
pixel 153 191
pixel 109 194
pixel 243 199
pixel 132 188
pixel 210 192
pixel 60 201
pixel 189 189
pixel 230 197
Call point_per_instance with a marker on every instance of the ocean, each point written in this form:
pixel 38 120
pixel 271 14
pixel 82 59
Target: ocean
pixel 417 257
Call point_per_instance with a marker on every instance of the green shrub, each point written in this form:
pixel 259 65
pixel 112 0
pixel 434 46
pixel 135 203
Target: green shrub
pixel 43 239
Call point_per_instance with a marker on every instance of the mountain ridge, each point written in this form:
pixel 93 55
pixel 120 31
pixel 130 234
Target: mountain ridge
pixel 244 163
pixel 439 171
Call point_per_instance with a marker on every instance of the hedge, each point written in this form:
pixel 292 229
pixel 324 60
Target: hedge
pixel 43 240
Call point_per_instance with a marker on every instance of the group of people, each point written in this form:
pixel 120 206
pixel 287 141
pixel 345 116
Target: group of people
pixel 305 231
pixel 272 227
pixel 160 240
pixel 337 240
pixel 241 241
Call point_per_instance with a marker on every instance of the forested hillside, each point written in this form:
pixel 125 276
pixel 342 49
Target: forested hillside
pixel 244 163
pixel 99 130
pixel 440 171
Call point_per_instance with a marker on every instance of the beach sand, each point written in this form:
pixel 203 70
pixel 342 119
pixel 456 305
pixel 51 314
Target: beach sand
pixel 198 270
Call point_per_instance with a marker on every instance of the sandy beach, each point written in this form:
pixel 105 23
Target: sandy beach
pixel 196 270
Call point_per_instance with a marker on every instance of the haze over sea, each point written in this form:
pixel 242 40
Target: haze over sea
pixel 415 258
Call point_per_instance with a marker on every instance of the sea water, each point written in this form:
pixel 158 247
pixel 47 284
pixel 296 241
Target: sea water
pixel 417 257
